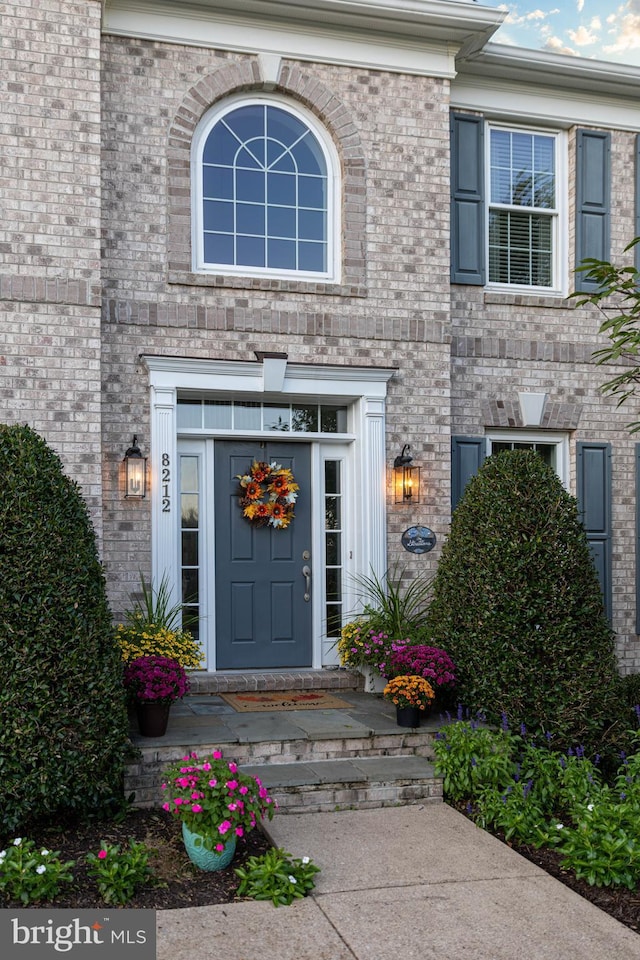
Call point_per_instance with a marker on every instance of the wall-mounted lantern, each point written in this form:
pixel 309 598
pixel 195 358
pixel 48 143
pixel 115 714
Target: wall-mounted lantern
pixel 135 473
pixel 406 478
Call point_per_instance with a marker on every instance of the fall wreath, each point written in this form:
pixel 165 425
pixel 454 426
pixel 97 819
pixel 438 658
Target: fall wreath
pixel 268 494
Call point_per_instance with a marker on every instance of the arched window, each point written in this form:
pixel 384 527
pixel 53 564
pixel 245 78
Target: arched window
pixel 264 188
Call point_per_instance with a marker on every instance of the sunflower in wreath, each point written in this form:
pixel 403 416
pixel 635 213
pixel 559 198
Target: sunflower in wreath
pixel 268 494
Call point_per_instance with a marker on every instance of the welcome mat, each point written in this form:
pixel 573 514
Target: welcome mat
pixel 257 700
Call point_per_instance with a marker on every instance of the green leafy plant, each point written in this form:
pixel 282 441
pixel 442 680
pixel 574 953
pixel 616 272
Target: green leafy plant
pixel 535 794
pixel 156 606
pixel 29 873
pixel 119 872
pixel 617 297
pixel 471 757
pixel 277 876
pixel 394 604
pixel 64 731
pixel 518 606
pixel 603 846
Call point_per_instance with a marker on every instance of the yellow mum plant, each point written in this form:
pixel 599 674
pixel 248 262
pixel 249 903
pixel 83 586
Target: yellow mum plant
pixel 152 629
pixel 409 691
pixel 141 639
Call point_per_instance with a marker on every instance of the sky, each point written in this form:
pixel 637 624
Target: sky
pixel 595 29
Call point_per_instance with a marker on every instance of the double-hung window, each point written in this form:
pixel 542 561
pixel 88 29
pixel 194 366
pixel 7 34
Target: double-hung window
pixel 509 198
pixel 523 208
pixel 265 186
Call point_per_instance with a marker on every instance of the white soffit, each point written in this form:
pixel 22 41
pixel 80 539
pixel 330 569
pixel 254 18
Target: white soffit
pixel 420 37
pixel 510 82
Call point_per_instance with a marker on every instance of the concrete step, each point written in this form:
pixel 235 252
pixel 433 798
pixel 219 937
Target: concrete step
pixel 349 783
pixel 329 678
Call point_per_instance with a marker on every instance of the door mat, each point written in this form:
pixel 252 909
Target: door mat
pixel 263 700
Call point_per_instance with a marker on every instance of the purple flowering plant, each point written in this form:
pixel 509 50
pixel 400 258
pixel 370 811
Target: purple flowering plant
pixel 214 799
pixel 359 647
pixel 431 663
pixel 155 678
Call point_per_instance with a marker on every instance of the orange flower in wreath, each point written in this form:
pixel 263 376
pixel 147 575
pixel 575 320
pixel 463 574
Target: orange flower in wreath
pixel 253 491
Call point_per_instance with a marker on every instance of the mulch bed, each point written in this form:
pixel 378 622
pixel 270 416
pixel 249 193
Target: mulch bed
pixel 179 883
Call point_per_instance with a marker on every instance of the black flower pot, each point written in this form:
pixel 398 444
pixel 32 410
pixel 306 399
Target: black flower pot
pixel 153 717
pixel 408 716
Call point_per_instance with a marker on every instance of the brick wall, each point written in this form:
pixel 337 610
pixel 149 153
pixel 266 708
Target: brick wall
pixel 393 313
pixel 50 230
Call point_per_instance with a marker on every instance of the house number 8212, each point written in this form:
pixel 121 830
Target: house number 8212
pixel 166 479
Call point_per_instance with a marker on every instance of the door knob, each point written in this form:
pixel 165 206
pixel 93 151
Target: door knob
pixel 306 573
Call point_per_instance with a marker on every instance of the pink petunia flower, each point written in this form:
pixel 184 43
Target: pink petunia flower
pixel 102 855
pixel 224 827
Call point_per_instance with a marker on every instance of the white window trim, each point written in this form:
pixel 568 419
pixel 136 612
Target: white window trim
pixel 559 440
pixel 560 284
pixel 334 187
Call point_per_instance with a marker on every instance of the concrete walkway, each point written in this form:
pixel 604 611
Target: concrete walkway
pixel 401 883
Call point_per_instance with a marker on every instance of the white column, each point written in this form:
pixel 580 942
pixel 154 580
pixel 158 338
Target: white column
pixel 373 501
pixel 165 490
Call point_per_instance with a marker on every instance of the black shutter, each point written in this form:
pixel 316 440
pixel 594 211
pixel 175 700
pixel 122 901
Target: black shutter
pixel 594 503
pixel 593 200
pixel 467 456
pixel 467 199
pixel 636 249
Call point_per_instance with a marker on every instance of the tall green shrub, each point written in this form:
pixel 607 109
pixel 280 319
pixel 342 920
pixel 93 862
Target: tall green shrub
pixel 63 727
pixel 517 604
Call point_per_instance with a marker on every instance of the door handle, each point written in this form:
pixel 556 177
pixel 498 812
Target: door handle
pixel 306 573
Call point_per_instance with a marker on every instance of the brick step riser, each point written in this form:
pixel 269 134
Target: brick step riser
pixel 326 798
pixel 214 683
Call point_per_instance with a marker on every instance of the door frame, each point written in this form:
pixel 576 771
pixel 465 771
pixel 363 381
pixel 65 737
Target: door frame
pixel 362 389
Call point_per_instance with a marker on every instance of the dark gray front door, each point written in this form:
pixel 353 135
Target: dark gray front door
pixel 262 618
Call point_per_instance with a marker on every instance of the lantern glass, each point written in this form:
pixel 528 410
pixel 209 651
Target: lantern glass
pixel 407 484
pixel 135 477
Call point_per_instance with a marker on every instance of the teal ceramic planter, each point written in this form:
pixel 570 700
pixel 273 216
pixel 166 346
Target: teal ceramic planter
pixel 207 859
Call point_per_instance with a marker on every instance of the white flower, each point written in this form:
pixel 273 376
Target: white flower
pixel 41 868
pixel 305 860
pixel 589 806
pixel 3 854
pixel 17 841
pixel 292 879
pixel 559 826
pixel 44 853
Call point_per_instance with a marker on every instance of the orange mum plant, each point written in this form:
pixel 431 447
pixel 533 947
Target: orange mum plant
pixel 409 691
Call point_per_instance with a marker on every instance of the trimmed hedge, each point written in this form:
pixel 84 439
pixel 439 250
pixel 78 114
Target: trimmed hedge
pixel 63 735
pixel 517 604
